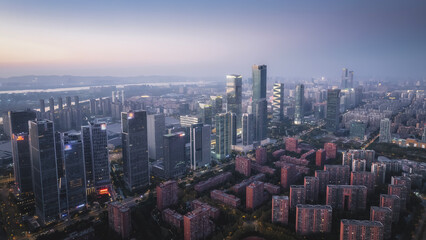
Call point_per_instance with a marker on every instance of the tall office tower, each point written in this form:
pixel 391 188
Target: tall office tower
pixel 297 196
pixel 280 209
pixel 320 157
pixel 42 106
pixel 259 81
pixel 313 219
pixel 248 129
pixel 379 171
pixel 167 194
pixel 278 102
pixel 68 100
pixel 324 179
pixel 385 131
pixel 358 96
pixel 225 134
pixel 333 110
pixel 119 219
pixel 73 166
pixel 60 103
pixel 347 78
pixel 44 169
pixel 383 215
pixel 243 165
pixel 135 149
pixel 200 145
pixel 93 108
pixel 197 224
pixel 339 175
pixel 114 96
pixel 311 185
pixel 217 103
pixel 260 112
pixel 123 97
pixel 76 102
pixel 401 191
pixel 234 87
pixel 360 230
pixel 174 155
pixel 254 195
pixel 259 104
pixel 156 131
pixel 51 104
pixel 299 104
pixel 364 178
pixel 95 141
pixel 207 114
pixel 347 197
pixel 261 155
pixel 18 126
pixel 394 203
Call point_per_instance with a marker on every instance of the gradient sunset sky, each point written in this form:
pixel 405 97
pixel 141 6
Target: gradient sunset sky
pixel 213 38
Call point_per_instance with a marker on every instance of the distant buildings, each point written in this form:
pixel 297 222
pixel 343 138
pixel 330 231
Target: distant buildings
pixel 167 194
pixel 360 229
pixel 347 79
pixel 278 102
pixel 200 145
pixel 333 110
pixel 135 149
pixel 313 219
pixel 234 85
pixel 119 219
pixel 254 195
pixel 385 131
pixel 347 197
pixel 280 209
pixel 357 130
pixel 299 104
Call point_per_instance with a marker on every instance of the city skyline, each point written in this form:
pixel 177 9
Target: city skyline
pixel 192 38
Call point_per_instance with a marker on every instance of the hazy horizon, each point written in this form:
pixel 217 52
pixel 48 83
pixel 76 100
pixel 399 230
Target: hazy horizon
pixel 211 39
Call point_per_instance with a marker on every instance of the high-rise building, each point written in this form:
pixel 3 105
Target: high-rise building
pixel 248 130
pixel 311 185
pixel 313 219
pixel 73 168
pixel 200 145
pixel 364 178
pixel 135 149
pixel 95 142
pixel 385 131
pixel 18 126
pixel 280 209
pixel 383 215
pixel 225 134
pixel 299 112
pixel 288 174
pixel 401 191
pixel 76 102
pixel 234 86
pixel 297 196
pixel 260 112
pixel 320 157
pixel 259 81
pixel 358 165
pixel 156 130
pixel 347 197
pixel 347 79
pixel 197 224
pixel 291 144
pixel 68 101
pixel 119 219
pixel 339 175
pixel 93 107
pixel 379 171
pixel 278 102
pixel 60 103
pixel 261 155
pixel 333 110
pixel 167 194
pixel 174 155
pixel 217 103
pixel 207 114
pixel 394 203
pixel 324 179
pixel 330 150
pixel 360 230
pixel 357 130
pixel 44 169
pixel 42 106
pixel 254 194
pixel 188 121
pixel 243 165
pixel 51 104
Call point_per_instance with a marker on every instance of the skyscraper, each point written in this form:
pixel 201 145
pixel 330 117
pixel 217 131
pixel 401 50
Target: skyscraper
pixel 156 130
pixel 333 111
pixel 60 104
pixel 42 106
pixel 280 209
pixel 44 169
pixel 225 134
pixel 347 78
pixel 135 149
pixel 278 102
pixel 18 125
pixel 174 154
pixel 74 175
pixel 385 133
pixel 248 129
pixel 299 104
pixel 200 144
pixel 51 104
pixel 234 86
pixel 95 141
pixel 259 82
pixel 259 104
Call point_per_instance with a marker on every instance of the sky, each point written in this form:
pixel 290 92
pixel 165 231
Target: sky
pixel 298 38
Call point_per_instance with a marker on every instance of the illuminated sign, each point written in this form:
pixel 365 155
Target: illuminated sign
pixel 19 138
pixel 67 147
pixel 103 126
pixel 103 191
pixel 182 135
pixel 131 115
pixel 81 205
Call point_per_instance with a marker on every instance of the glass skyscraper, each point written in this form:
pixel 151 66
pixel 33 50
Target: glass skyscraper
pixel 333 110
pixel 299 112
pixel 234 86
pixel 200 145
pixel 248 129
pixel 226 134
pixel 259 103
pixel 278 102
